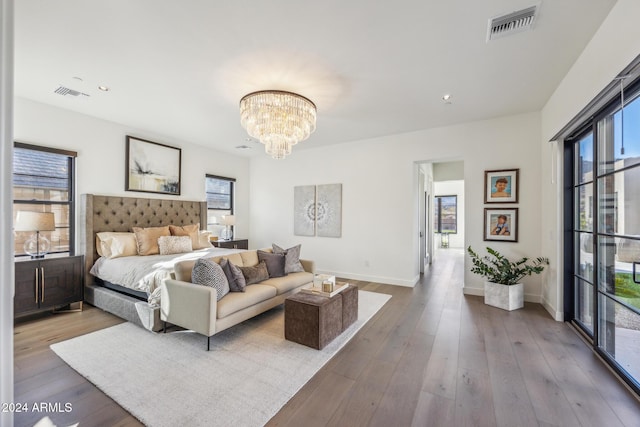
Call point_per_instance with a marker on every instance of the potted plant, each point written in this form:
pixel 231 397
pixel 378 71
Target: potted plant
pixel 502 287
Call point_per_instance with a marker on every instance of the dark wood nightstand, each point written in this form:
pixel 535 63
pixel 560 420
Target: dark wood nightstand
pixel 232 244
pixel 48 283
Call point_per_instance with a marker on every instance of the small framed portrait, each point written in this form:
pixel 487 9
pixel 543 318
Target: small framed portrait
pixel 501 224
pixel 501 186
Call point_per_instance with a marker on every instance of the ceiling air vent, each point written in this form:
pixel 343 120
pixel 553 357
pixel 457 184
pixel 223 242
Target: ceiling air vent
pixel 64 91
pixel 511 23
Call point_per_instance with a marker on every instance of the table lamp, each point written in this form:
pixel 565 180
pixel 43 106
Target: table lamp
pixel 228 220
pixel 36 246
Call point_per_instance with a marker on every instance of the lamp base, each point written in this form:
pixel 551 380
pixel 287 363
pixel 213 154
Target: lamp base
pixel 226 234
pixel 37 246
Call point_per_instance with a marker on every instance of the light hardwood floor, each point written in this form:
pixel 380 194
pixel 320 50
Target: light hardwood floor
pixel 430 357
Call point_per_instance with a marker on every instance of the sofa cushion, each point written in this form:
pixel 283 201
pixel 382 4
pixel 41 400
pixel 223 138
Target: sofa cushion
pixel 290 281
pixel 236 301
pixel 255 274
pixel 292 258
pixel 249 259
pixel 208 273
pixel 275 263
pixel 237 282
pixel 234 258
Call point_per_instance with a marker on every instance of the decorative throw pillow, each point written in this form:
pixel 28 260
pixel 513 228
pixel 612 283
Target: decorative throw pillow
pixel 111 244
pixel 203 240
pixel 237 282
pixel 208 273
pixel 255 274
pixel 275 263
pixel 191 230
pixel 147 239
pixel 291 258
pixel 174 245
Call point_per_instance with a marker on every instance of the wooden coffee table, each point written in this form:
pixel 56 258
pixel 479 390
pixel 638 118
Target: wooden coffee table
pixel 314 320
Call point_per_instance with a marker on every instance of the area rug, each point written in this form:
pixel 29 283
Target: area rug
pixel 170 379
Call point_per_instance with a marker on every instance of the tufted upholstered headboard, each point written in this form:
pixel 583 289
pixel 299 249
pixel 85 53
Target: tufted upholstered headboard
pixel 115 213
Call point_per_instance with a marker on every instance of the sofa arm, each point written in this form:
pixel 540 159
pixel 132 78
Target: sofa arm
pixel 189 306
pixel 308 265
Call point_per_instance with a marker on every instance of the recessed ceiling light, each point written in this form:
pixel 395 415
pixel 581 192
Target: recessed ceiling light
pixel 103 88
pixel 77 78
pixel 446 98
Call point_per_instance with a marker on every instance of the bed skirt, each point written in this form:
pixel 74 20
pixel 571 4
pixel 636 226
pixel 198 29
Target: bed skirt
pixel 124 306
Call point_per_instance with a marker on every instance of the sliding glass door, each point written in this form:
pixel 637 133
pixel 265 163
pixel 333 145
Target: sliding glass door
pixel 606 235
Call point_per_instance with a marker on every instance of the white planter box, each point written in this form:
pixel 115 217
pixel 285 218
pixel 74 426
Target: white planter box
pixel 503 296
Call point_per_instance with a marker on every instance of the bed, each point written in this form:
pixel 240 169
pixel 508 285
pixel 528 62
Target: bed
pixel 101 213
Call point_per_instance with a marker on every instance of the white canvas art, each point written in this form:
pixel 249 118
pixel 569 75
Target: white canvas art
pixel 304 210
pixel 329 210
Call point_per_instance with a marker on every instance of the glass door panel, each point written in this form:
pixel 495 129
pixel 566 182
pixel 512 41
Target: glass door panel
pixel 619 329
pixel 584 304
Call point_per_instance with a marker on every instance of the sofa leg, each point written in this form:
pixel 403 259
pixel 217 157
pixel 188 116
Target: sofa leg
pixel 208 343
pixel 164 326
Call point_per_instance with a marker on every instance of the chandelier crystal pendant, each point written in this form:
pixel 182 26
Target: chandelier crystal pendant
pixel 278 119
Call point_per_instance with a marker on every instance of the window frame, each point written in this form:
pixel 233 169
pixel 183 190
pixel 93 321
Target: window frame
pixel 437 210
pixel 232 201
pixel 70 202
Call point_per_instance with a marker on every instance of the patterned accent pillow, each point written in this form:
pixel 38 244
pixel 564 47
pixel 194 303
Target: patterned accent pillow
pixel 275 263
pixel 237 282
pixel 174 244
pixel 208 273
pixel 291 258
pixel 255 274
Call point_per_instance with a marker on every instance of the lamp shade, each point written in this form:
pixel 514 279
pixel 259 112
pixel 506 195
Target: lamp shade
pixel 35 221
pixel 229 219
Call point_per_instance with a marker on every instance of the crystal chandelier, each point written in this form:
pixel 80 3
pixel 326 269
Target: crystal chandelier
pixel 278 119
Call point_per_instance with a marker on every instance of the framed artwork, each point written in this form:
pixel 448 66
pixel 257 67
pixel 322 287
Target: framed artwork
pixel 501 186
pixel 501 224
pixel 317 210
pixel 329 210
pixel 304 210
pixel 152 167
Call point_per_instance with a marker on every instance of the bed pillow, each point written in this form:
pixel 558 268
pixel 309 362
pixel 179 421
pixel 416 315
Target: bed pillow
pixel 116 244
pixel 203 240
pixel 255 274
pixel 291 258
pixel 274 262
pixel 208 273
pixel 191 230
pixel 174 245
pixel 237 282
pixel 147 239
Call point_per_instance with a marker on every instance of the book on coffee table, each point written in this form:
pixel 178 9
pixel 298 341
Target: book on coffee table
pixel 318 291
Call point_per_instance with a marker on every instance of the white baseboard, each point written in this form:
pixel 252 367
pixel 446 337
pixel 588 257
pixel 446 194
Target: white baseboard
pixel 557 315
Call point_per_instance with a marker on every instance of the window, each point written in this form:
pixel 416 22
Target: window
pixel 220 201
pixel 445 214
pixel 43 182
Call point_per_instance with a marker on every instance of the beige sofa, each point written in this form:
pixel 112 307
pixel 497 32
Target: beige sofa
pixel 195 307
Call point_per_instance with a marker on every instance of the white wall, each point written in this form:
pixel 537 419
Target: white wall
pixel 452 188
pixel 100 167
pixel 379 178
pixel 448 171
pixel 613 47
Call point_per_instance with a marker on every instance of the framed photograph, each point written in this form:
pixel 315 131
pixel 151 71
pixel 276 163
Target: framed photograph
pixel 152 167
pixel 501 186
pixel 501 224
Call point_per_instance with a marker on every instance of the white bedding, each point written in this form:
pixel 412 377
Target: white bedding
pixel 145 273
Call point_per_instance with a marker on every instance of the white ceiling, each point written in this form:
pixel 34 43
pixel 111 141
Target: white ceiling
pixel 373 68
